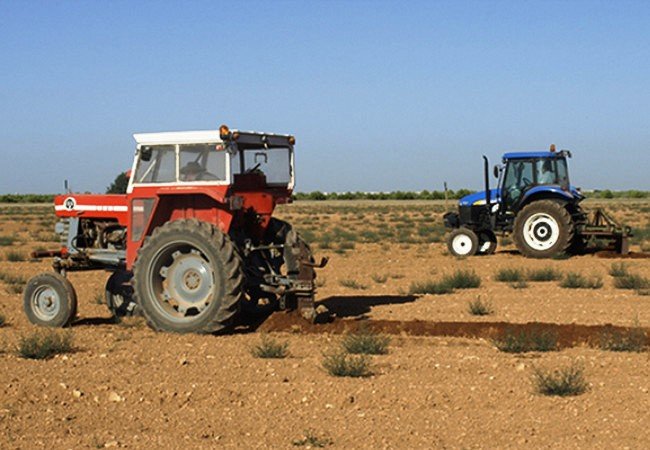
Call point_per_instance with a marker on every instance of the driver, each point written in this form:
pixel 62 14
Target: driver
pixel 546 175
pixel 193 171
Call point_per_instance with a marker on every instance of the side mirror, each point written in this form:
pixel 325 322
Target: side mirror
pixel 145 153
pixel 496 171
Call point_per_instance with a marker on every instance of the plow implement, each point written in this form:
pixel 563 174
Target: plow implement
pixel 603 227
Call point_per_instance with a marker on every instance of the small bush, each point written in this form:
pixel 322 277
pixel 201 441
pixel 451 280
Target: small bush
pixel 342 364
pixel 6 241
pixel 633 340
pixel 353 284
pixel 99 298
pixel 618 270
pixel 312 440
pixel 631 281
pixel 270 348
pixel 14 256
pixel 533 341
pixel 561 382
pixel 479 307
pixel 44 344
pixel 462 279
pixel 430 287
pixel 544 274
pixel 521 284
pixel 366 342
pixel 2 319
pixel 574 280
pixel 379 279
pixel 508 275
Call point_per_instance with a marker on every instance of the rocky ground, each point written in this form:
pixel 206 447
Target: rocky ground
pixel 127 386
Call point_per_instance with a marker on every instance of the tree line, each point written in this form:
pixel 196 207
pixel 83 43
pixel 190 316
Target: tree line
pixel 318 195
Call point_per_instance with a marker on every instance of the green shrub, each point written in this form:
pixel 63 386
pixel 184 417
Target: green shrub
pixel 312 440
pixel 430 287
pixel 509 275
pixel 379 279
pixel 352 284
pixel 574 280
pixel 270 348
pixel 562 382
pixel 631 281
pixel 14 256
pixel 618 270
pixel 479 307
pixel 521 284
pixel 43 344
pixel 366 342
pixel 522 342
pixel 6 241
pixel 462 279
pixel 544 274
pixel 342 364
pixel 633 340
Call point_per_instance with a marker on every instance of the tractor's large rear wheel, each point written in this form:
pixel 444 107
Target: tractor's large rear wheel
pixel 543 229
pixel 188 278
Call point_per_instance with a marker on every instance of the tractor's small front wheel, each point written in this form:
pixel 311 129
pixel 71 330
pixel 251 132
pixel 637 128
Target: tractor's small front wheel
pixel 462 242
pixel 50 300
pixel 119 295
pixel 487 242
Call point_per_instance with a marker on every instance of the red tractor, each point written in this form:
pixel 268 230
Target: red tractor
pixel 192 243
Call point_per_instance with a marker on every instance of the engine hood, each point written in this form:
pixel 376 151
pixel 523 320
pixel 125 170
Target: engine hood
pixel 478 198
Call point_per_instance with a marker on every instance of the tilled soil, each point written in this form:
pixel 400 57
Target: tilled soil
pixel 443 383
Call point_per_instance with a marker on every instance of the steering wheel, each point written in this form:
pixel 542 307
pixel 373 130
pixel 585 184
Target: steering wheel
pixel 526 181
pixel 254 168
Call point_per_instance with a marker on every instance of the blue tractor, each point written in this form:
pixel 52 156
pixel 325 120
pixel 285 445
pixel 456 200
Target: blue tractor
pixel 536 204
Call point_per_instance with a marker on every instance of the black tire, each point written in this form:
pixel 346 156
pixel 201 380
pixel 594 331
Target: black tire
pixel 543 229
pixel 119 295
pixel 462 242
pixel 487 242
pixel 208 265
pixel 50 300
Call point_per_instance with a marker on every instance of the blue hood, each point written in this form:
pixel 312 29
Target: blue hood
pixel 478 198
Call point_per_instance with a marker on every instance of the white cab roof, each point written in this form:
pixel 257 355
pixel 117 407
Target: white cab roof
pixel 178 137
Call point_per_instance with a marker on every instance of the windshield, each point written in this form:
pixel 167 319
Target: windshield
pixel 196 163
pixel 273 163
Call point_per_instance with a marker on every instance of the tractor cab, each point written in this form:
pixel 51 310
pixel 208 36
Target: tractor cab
pixel 243 160
pixel 525 173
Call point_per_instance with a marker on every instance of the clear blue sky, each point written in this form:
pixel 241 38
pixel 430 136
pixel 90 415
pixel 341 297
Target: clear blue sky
pixel 380 95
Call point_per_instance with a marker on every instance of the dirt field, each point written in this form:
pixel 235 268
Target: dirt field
pixel 126 386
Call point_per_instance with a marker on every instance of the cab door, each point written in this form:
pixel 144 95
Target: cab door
pixel 519 177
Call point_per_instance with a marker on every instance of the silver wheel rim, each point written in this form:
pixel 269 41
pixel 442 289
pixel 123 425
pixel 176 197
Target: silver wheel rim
pixel 182 281
pixel 46 303
pixel 462 244
pixel 541 231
